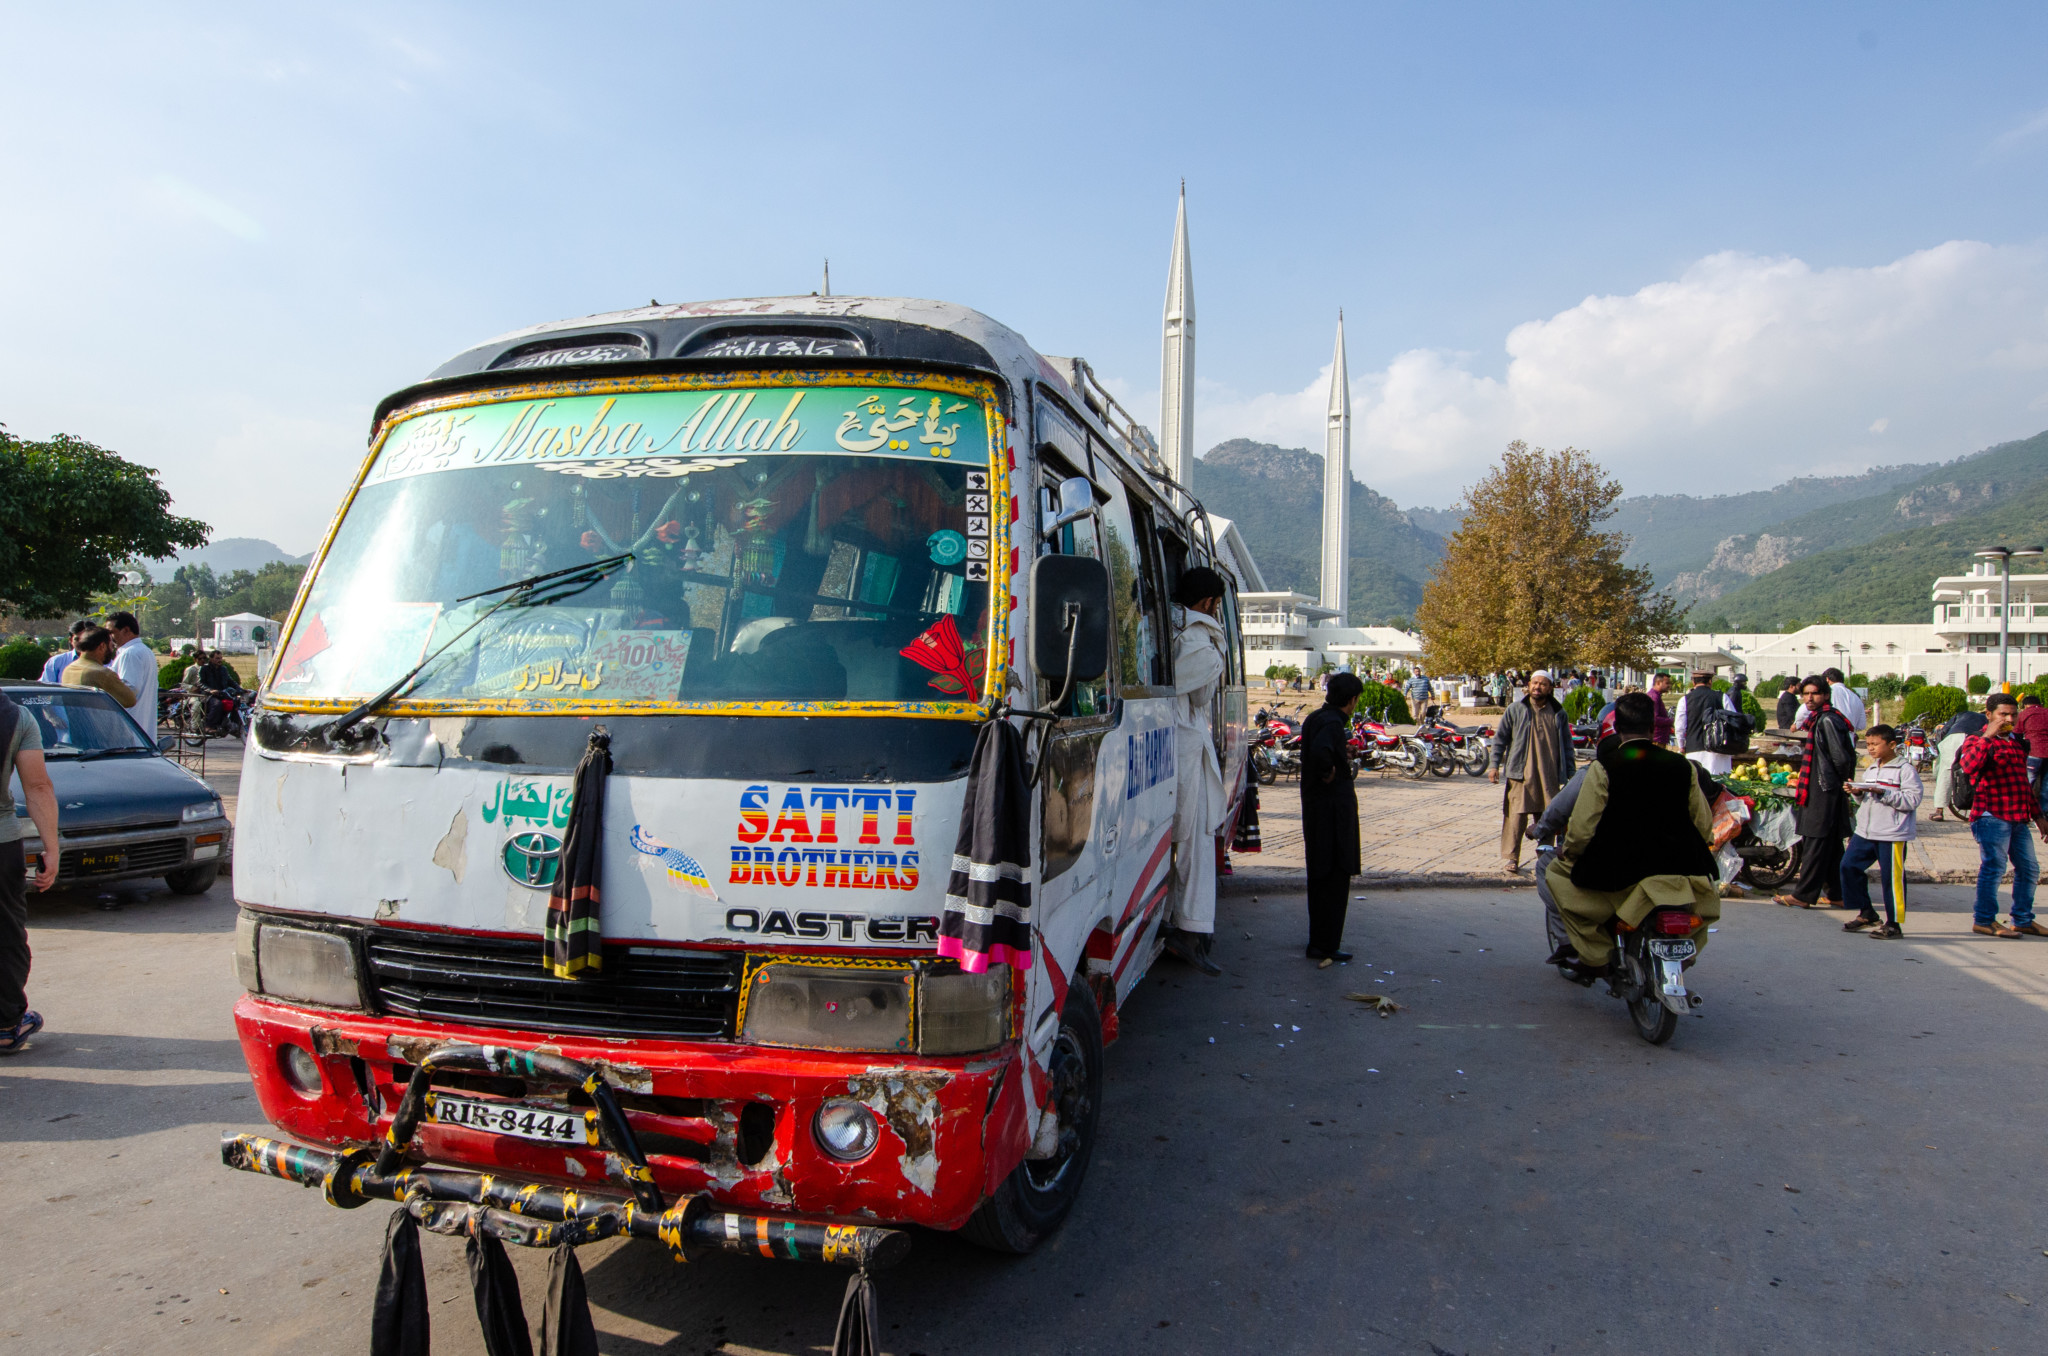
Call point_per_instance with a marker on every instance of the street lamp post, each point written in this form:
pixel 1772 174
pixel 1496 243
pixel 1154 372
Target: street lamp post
pixel 2003 555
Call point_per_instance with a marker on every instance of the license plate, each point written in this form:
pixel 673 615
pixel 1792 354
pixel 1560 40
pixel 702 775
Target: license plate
pixel 102 861
pixel 509 1118
pixel 1673 950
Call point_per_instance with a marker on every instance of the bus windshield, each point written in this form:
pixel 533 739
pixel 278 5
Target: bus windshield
pixel 794 544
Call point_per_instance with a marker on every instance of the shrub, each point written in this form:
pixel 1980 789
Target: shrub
pixel 22 658
pixel 1385 703
pixel 1580 701
pixel 1769 687
pixel 1886 687
pixel 1980 683
pixel 1755 711
pixel 1916 682
pixel 1937 700
pixel 171 673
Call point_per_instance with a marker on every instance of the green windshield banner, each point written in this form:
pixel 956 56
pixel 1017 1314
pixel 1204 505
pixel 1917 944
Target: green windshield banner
pixel 667 434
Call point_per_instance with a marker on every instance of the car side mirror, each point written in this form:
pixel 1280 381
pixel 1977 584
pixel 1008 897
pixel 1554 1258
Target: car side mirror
pixel 1073 500
pixel 166 743
pixel 1069 615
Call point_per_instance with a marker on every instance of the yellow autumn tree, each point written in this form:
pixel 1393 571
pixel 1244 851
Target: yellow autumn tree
pixel 1530 581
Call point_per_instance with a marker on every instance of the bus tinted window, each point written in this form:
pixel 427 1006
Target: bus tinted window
pixel 835 546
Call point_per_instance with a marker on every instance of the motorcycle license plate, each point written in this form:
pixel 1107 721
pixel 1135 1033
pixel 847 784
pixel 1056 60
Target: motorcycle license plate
pixel 1678 949
pixel 509 1118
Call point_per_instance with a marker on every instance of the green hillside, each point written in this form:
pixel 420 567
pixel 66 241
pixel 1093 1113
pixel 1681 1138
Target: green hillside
pixel 1942 494
pixel 1676 532
pixel 1888 579
pixel 1275 496
pixel 1672 533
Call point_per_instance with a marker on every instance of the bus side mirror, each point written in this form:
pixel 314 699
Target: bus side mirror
pixel 1075 499
pixel 1069 614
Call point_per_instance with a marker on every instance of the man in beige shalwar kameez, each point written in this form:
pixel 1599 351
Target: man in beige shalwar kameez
pixel 1534 746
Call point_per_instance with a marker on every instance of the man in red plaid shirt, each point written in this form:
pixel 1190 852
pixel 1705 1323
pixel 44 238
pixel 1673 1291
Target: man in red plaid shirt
pixel 2002 810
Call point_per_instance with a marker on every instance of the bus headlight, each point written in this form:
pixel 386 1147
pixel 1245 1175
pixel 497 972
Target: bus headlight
pixel 296 964
pixel 846 1130
pixel 822 1007
pixel 958 1014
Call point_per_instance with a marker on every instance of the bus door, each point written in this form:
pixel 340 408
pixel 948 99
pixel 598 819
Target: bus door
pixel 1072 850
pixel 1140 758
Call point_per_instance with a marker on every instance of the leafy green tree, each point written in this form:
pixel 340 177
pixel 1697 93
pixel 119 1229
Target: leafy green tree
pixel 1937 700
pixel 1385 703
pixel 22 657
pixel 1887 687
pixel 1581 701
pixel 69 514
pixel 1530 580
pixel 1980 683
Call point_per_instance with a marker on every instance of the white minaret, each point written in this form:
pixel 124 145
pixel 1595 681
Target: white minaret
pixel 1177 358
pixel 1337 485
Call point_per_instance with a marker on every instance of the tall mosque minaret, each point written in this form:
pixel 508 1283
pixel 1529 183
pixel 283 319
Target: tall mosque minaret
pixel 1337 485
pixel 1177 358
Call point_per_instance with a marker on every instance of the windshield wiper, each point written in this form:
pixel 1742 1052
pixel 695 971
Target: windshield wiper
pixel 560 585
pixel 85 755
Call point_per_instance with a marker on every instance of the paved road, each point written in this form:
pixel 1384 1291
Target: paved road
pixel 1841 1155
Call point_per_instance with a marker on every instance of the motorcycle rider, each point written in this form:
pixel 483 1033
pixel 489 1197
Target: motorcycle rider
pixel 1637 840
pixel 213 683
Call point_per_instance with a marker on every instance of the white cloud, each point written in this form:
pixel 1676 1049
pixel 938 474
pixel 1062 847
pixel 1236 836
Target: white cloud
pixel 187 200
pixel 2025 131
pixel 1736 375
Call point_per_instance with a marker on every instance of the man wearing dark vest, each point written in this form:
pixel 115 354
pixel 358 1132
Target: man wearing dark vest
pixel 1637 840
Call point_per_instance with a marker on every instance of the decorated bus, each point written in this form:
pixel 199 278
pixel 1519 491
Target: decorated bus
pixel 609 854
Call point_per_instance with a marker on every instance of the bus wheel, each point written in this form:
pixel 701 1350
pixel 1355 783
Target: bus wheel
pixel 1035 1198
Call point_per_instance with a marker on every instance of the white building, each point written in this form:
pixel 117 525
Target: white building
pixel 237 634
pixel 1294 629
pixel 1960 641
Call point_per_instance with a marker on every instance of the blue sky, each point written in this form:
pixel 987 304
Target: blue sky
pixel 1715 244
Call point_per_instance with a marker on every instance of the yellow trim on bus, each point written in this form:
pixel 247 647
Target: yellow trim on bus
pixel 976 388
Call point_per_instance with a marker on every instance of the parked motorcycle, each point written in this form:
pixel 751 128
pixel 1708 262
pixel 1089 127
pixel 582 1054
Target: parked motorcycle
pixel 1450 747
pixel 1648 970
pixel 1374 746
pixel 1919 744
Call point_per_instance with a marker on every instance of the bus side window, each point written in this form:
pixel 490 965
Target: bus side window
pixel 1233 637
pixel 1077 538
pixel 1133 594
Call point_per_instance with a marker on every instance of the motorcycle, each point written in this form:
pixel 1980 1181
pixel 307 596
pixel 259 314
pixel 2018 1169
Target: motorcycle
pixel 1450 747
pixel 1919 744
pixel 1375 747
pixel 1648 970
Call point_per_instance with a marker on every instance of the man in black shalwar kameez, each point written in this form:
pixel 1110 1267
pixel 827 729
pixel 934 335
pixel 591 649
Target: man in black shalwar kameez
pixel 1329 816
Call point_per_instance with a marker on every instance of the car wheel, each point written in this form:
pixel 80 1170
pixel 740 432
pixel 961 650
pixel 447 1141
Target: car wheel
pixel 1035 1198
pixel 193 880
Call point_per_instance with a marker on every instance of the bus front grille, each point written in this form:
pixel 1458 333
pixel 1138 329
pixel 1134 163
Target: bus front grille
pixel 496 981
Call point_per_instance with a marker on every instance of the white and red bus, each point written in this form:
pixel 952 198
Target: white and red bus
pixel 783 552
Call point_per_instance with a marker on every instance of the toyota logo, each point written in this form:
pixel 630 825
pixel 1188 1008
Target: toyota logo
pixel 533 859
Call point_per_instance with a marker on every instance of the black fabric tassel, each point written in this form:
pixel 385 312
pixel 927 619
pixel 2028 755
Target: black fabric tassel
pixel 498 1309
pixel 574 939
pixel 987 916
pixel 565 1326
pixel 1247 837
pixel 860 1322
pixel 398 1321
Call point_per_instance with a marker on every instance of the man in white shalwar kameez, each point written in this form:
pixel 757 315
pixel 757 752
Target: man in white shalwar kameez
pixel 1199 662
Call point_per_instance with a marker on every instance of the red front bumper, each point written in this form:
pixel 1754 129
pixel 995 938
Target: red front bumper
pixel 951 1129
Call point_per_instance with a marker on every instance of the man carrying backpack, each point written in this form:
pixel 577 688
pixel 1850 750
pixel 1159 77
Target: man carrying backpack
pixel 1703 745
pixel 1993 765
